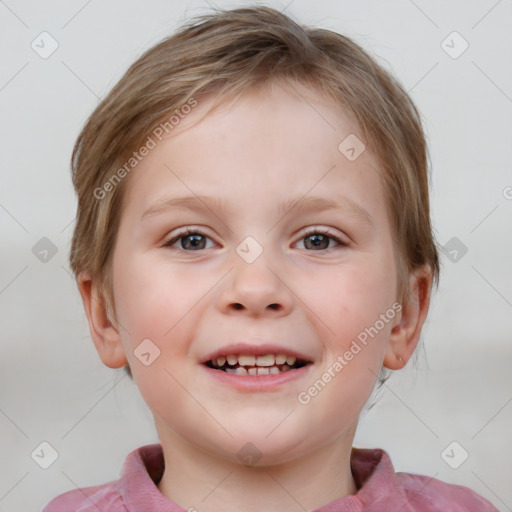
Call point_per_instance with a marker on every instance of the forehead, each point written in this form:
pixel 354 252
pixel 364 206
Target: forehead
pixel 275 140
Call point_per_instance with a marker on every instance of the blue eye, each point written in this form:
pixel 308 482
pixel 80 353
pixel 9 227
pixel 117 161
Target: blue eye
pixel 195 240
pixel 191 239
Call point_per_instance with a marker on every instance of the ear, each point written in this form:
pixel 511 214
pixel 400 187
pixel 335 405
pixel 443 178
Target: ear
pixel 103 332
pixel 407 328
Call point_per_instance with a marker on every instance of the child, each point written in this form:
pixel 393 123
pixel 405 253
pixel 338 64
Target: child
pixel 302 166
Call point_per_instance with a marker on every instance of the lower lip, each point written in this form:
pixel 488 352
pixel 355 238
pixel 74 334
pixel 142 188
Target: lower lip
pixel 257 382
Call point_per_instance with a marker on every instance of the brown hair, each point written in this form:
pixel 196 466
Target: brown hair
pixel 227 53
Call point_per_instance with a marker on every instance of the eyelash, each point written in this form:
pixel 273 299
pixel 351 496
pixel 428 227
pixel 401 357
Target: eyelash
pixel 311 231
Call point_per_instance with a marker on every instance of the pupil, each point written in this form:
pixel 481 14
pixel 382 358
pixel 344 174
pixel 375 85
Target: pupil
pixel 318 240
pixel 195 241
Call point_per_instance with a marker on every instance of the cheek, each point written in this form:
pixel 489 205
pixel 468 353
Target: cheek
pixel 354 297
pixel 360 317
pixel 154 303
pixel 153 298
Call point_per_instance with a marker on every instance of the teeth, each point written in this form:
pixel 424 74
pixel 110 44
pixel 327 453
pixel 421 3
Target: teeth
pixel 280 359
pixel 290 360
pixel 246 360
pixel 266 360
pixel 258 370
pixel 251 360
pixel 246 364
pixel 240 370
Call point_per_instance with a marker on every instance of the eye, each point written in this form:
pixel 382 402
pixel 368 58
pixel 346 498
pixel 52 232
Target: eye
pixel 320 239
pixel 191 240
pixel 194 240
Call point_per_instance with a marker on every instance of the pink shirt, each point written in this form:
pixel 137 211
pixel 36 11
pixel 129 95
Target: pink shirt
pixel 380 489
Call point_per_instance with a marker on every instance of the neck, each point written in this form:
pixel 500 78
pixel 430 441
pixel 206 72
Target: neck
pixel 197 480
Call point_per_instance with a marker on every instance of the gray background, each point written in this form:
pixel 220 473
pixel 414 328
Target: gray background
pixel 53 386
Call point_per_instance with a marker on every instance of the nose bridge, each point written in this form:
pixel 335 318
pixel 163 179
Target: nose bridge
pixel 255 285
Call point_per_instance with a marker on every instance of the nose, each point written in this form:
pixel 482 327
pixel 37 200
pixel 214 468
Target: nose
pixel 255 289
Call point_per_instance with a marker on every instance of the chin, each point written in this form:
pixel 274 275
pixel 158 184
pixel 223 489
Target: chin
pixel 256 447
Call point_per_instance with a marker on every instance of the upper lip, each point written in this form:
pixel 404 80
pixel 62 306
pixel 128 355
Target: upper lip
pixel 256 349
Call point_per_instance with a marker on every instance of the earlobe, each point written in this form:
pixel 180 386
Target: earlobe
pixel 104 333
pixel 406 331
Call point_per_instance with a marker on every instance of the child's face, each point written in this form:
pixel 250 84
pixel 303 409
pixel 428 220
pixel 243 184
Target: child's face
pixel 304 295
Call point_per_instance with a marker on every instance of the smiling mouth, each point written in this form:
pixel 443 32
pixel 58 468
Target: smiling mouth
pixel 268 364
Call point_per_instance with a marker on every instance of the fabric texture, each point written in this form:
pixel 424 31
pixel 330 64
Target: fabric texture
pixel 380 489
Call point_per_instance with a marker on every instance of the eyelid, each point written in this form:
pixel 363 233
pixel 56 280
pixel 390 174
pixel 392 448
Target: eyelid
pixel 169 241
pixel 312 230
pixel 323 231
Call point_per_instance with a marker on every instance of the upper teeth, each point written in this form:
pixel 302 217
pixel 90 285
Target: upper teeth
pixel 252 360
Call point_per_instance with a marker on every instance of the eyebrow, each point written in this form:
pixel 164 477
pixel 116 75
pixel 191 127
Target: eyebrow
pixel 297 205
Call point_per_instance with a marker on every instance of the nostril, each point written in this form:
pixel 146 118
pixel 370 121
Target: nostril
pixel 237 305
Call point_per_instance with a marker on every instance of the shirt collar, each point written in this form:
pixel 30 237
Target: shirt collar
pixel 142 468
pixel 373 472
